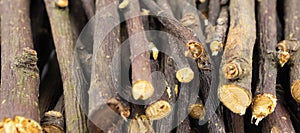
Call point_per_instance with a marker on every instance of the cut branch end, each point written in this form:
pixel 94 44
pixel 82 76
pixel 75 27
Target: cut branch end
pixel 263 105
pixel 185 75
pixel 196 49
pixel 216 47
pixel 62 3
pixel 295 90
pixel 142 89
pixel 235 98
pixel 283 54
pixel 197 111
pixel 158 110
pixel 20 125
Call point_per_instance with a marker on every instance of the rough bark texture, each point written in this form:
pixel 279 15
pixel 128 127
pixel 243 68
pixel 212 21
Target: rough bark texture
pixel 278 122
pixel 236 66
pixel 19 72
pixel 264 101
pixel 103 100
pixel 292 32
pixel 64 43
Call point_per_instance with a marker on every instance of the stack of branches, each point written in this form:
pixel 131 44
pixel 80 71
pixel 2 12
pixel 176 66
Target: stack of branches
pixel 150 66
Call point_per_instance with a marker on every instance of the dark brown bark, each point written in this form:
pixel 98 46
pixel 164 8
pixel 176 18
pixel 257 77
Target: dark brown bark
pixel 279 121
pixel 213 11
pixel 195 47
pixel 20 75
pixel 292 33
pixel 264 101
pixel 235 122
pixel 64 43
pixel 220 31
pixel 103 101
pixel 89 8
pixel 236 66
pixel 142 87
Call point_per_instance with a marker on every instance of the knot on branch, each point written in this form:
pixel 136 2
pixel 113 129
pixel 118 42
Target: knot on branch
pixel 235 69
pixel 197 111
pixel 53 121
pixel 27 61
pixel 286 49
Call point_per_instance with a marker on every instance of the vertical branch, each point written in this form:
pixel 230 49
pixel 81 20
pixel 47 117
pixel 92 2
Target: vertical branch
pixel 19 72
pixel 142 87
pixel 292 35
pixel 64 43
pixel 103 101
pixel 264 101
pixel 236 66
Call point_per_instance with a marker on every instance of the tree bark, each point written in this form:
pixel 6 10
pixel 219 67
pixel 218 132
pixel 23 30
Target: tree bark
pixel 279 121
pixel 236 66
pixel 264 102
pixel 103 101
pixel 292 32
pixel 218 40
pixel 235 122
pixel 20 75
pixel 64 43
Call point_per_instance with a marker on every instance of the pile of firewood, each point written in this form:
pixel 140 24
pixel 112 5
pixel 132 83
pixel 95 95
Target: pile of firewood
pixel 228 66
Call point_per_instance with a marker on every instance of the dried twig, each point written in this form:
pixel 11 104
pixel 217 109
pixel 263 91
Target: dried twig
pixel 142 87
pixel 64 43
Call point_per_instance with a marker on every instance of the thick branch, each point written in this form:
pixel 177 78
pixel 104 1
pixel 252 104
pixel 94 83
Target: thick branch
pixel 236 67
pixel 64 43
pixel 264 101
pixel 19 72
pixel 142 87
pixel 103 101
pixel 89 7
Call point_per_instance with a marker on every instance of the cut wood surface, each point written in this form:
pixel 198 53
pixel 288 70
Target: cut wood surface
pixel 264 101
pixel 236 66
pixel 19 72
pixel 64 44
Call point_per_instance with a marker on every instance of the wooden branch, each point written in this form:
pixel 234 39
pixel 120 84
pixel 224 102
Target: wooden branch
pixel 89 8
pixel 141 80
pixel 236 66
pixel 19 72
pixel 292 32
pixel 264 102
pixel 278 121
pixel 103 101
pixel 64 43
pixel 218 40
pixel 195 48
pixel 213 11
pixel 197 110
